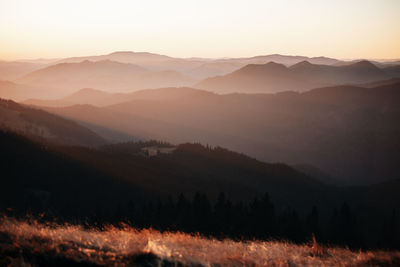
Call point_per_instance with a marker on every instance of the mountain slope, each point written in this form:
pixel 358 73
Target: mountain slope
pixel 191 168
pixel 35 122
pixel 254 78
pixel 101 74
pixel 76 180
pixel 284 59
pixel 88 96
pixel 10 90
pixel 272 77
pixel 346 131
pixel 36 176
pixel 81 97
pixel 359 72
pixel 104 75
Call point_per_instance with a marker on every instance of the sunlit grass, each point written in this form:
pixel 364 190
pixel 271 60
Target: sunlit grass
pixel 118 246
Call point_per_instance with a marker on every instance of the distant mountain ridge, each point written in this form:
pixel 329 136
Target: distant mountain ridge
pixel 273 77
pixel 198 67
pixel 129 71
pixel 285 59
pixel 120 56
pixel 106 75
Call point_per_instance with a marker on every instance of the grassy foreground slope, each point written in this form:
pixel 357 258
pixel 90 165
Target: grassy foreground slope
pixel 76 246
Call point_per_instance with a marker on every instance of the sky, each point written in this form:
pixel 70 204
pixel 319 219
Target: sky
pixel 200 28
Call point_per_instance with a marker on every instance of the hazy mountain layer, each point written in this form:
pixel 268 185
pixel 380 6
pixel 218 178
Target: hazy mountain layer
pixel 21 92
pixel 128 71
pixel 348 132
pixel 10 70
pixel 273 77
pixel 106 75
pixel 197 67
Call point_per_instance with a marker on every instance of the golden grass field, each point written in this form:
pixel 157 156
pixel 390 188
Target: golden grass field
pixel 33 243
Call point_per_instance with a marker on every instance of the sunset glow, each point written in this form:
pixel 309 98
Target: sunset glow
pixel 341 29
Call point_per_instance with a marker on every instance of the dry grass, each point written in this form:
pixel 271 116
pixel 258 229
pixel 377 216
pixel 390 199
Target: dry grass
pixel 121 247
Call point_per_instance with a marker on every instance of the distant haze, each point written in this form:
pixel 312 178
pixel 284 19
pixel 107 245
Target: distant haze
pixel 340 29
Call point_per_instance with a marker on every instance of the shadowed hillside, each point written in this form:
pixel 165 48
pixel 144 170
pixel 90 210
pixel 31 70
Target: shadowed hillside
pixel 60 178
pixel 348 132
pixel 38 123
pixel 115 184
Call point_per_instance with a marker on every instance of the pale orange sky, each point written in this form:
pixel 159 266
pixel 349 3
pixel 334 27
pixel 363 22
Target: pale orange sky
pixel 202 28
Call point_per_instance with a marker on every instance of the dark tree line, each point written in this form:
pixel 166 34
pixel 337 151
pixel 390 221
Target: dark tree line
pixel 258 219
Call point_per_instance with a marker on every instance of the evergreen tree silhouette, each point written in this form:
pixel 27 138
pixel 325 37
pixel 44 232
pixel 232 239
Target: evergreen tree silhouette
pixel 268 216
pixel 183 210
pixel 219 216
pixel 312 223
pixel 393 229
pixel 202 213
pixel 343 227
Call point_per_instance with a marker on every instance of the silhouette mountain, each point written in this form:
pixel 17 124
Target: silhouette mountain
pixel 272 77
pixel 285 59
pixel 359 72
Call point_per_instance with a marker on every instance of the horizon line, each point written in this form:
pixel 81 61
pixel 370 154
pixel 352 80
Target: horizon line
pixel 198 57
